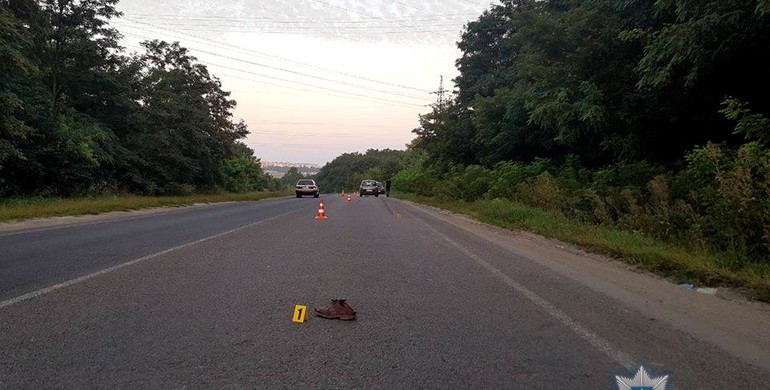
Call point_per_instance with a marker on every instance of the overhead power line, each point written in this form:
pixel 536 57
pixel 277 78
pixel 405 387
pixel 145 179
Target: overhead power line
pixel 304 20
pixel 416 8
pixel 374 98
pixel 476 4
pixel 309 75
pixel 302 73
pixel 327 134
pixel 283 59
pixel 336 33
pixel 320 89
pixel 313 30
pixel 370 124
pixel 355 12
pixel 276 25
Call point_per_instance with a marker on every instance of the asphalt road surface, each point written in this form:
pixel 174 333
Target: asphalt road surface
pixel 203 298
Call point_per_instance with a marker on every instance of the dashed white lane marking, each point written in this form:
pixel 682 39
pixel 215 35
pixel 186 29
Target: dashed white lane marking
pixel 71 282
pixel 592 338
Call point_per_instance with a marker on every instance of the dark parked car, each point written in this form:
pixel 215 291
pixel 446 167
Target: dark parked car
pixel 306 187
pixel 369 187
pixel 381 187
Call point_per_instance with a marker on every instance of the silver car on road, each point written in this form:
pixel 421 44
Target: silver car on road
pixel 306 187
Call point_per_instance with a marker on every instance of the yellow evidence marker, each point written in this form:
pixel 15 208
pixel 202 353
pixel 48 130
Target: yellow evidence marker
pixel 300 314
pixel 398 216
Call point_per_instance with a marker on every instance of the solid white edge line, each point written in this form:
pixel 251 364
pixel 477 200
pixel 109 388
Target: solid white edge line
pixel 71 282
pixel 592 338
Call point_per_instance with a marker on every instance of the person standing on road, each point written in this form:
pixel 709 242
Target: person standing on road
pixel 387 188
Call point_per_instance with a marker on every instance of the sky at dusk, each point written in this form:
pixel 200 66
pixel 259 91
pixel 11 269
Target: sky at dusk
pixel 316 78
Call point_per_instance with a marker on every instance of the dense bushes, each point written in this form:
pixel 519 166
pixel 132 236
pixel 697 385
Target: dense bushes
pixel 719 201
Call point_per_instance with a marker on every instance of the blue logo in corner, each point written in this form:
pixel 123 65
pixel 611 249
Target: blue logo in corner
pixel 642 381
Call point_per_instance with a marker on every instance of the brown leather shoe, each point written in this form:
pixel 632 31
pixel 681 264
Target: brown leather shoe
pixel 345 305
pixel 337 310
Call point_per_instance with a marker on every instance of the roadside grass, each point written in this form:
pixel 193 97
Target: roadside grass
pixel 680 264
pixel 17 209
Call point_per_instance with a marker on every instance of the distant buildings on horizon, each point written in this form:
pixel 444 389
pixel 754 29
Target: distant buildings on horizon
pixel 279 168
pixel 289 164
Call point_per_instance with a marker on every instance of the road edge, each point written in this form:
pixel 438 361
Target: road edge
pixel 737 326
pixel 64 221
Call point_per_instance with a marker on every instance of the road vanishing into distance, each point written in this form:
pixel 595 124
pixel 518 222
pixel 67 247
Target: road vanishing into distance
pixel 203 297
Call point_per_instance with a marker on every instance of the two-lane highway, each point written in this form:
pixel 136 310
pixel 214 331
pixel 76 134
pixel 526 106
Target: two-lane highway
pixel 203 298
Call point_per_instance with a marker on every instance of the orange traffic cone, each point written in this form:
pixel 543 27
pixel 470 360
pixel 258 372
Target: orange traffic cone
pixel 343 192
pixel 321 213
pixel 349 200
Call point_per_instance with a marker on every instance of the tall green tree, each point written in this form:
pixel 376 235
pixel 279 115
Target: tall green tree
pixel 185 119
pixel 77 49
pixel 487 55
pixel 14 66
pixel 447 135
pixel 698 54
pixel 68 43
pixel 607 80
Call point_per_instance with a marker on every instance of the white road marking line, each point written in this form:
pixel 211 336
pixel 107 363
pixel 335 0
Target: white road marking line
pixel 592 338
pixel 43 291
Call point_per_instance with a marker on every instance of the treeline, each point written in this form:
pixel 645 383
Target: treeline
pixel 347 171
pixel 650 116
pixel 80 115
